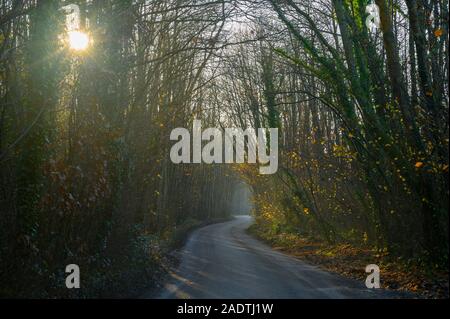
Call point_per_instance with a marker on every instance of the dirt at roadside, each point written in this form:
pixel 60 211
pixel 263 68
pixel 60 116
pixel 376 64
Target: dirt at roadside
pixel 344 259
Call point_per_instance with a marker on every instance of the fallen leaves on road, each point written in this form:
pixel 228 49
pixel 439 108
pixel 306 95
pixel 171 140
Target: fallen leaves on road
pixel 351 261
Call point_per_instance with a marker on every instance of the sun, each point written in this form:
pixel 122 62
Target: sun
pixel 78 40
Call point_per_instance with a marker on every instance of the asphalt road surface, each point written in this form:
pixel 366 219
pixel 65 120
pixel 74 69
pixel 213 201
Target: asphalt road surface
pixel 223 261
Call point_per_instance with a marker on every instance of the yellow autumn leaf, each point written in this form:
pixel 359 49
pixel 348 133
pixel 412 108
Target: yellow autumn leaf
pixel 438 32
pixel 419 164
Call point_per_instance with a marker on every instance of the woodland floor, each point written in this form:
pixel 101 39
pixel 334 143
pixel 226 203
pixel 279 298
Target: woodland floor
pixel 351 261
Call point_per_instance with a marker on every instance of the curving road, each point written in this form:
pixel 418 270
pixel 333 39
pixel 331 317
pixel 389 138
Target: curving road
pixel 222 261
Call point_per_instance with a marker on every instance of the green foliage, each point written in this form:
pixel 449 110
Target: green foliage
pixel 353 157
pixel 85 176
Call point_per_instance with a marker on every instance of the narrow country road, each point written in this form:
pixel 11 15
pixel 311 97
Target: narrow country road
pixel 222 261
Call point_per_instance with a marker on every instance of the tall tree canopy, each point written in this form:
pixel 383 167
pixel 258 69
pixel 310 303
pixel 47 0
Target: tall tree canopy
pixel 85 172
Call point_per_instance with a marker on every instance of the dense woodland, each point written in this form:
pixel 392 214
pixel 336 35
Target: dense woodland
pixel 85 173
